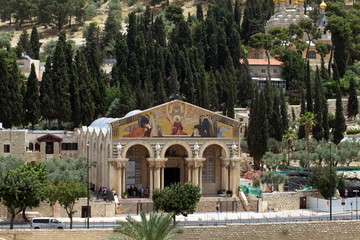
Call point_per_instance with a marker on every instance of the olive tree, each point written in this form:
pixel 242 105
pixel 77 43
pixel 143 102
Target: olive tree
pixel 178 198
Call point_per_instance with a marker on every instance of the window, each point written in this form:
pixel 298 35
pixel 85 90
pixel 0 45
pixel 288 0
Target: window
pixel 133 166
pixel 6 148
pixel 31 146
pixel 263 70
pixel 74 146
pixel 37 147
pixel 208 171
pixel 241 119
pixel 312 54
pixel 69 146
pixel 276 70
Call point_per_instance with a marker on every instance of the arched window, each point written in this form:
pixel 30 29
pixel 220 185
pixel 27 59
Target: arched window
pixel 312 54
pixel 208 171
pixel 31 147
pixel 37 147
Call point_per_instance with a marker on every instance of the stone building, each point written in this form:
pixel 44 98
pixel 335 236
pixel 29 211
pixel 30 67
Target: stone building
pixel 38 145
pixel 154 148
pixel 287 12
pixel 259 72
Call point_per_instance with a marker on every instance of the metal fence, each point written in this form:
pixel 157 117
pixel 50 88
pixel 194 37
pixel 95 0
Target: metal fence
pixel 211 220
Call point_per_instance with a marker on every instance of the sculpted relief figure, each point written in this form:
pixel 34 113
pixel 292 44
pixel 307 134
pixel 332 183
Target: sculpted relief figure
pixel 157 150
pixel 196 150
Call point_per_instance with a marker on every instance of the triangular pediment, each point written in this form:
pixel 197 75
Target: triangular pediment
pixel 175 118
pixel 49 138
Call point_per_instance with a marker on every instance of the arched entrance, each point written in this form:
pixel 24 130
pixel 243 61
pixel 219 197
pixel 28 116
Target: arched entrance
pixel 212 170
pixel 175 166
pixel 137 171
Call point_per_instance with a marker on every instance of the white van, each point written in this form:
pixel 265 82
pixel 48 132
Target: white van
pixel 46 223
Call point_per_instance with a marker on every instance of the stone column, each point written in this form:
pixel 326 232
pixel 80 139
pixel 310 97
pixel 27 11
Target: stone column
pixel 189 165
pixel 234 175
pixel 121 175
pixel 197 167
pixel 162 176
pixel 119 178
pixel 224 174
pixel 151 162
pixel 159 164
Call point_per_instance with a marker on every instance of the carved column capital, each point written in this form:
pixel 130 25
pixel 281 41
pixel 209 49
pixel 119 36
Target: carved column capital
pixel 235 162
pixel 198 162
pixel 119 163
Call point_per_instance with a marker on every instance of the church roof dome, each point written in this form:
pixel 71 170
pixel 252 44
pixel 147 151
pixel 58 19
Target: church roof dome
pixel 102 122
pixel 323 5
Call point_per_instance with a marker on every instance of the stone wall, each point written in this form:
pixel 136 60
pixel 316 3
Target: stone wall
pixel 286 200
pixel 270 231
pixel 98 209
pixel 331 106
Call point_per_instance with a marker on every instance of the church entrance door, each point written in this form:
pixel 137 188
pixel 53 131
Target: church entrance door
pixel 171 176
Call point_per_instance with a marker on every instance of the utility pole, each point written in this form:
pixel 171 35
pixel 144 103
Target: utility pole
pixel 356 192
pixel 330 184
pixel 88 187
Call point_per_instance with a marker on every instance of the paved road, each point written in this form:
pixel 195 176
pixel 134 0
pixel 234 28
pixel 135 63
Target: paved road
pixel 213 219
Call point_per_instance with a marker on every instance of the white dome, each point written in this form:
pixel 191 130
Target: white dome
pixel 102 122
pixel 133 112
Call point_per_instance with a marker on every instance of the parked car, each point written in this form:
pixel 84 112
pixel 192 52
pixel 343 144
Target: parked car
pixel 46 223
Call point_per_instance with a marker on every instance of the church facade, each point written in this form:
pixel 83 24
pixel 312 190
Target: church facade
pixel 169 143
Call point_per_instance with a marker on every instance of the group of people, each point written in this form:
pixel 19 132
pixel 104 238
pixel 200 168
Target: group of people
pixel 133 191
pixel 105 194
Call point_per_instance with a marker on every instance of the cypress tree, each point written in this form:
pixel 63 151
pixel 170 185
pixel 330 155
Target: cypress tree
pixel 159 77
pixel 93 60
pixel 87 106
pixel 318 129
pixel 213 97
pixel 61 81
pixel 245 85
pixel 199 12
pixel 34 44
pixel 75 96
pixel 112 29
pixel 353 104
pixel 32 103
pixel 121 53
pixel 23 45
pixel 301 132
pixel 15 94
pixel 258 130
pixel 47 94
pixel 309 101
pixel 5 105
pixel 132 32
pixel 326 120
pixel 124 104
pixel 276 121
pixel 237 13
pixel 283 111
pixel 339 124
pixel 24 122
pixel 159 32
pixel 174 85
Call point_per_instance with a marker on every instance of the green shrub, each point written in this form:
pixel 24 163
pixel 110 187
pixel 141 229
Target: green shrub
pixel 351 132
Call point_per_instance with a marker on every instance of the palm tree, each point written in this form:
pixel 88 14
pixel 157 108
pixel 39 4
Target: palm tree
pixel 308 121
pixel 289 135
pixel 156 227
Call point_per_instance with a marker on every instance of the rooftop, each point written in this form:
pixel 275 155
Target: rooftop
pixel 261 62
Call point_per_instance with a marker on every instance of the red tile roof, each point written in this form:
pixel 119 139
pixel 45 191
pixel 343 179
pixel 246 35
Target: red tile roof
pixel 252 61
